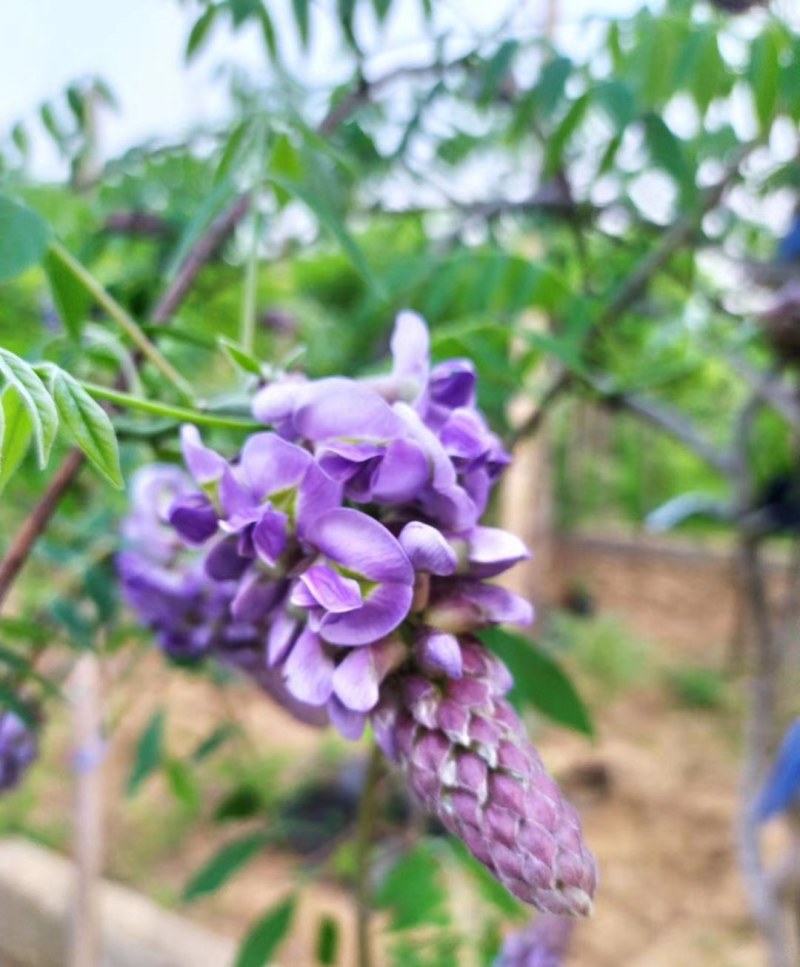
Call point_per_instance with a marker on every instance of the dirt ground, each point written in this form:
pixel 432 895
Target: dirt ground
pixel 657 791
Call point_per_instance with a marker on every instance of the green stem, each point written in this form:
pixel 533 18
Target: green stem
pixel 126 322
pixel 365 831
pixel 250 299
pixel 165 409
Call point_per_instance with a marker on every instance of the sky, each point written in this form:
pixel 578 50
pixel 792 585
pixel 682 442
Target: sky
pixel 136 46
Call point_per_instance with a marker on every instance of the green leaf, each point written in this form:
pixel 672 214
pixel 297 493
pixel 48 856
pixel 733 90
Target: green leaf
pixel 490 889
pixel 223 865
pixel 33 393
pixel 200 31
pixel 220 735
pixel 764 76
pixel 301 9
pixel 618 101
pixel 16 428
pixel 24 237
pixel 10 701
pixel 239 356
pixel 328 218
pixel 70 296
pixel 539 682
pixel 381 8
pixel 182 782
pixel 262 941
pixel 268 32
pixel 666 150
pixel 149 752
pixel 327 942
pixel 413 890
pixel 24 671
pixel 346 10
pixel 89 426
pixel 496 70
pixel 551 84
pixel 558 143
pixel 233 151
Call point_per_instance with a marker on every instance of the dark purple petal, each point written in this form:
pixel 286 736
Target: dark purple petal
pixel 341 460
pixel 270 536
pixel 224 562
pixel 205 464
pixel 452 383
pixel 465 436
pixel 362 545
pixel 427 549
pixel 309 671
pixel 255 597
pixel 194 518
pixel 330 590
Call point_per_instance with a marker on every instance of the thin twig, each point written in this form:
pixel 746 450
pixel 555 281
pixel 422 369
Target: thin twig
pixel 365 832
pixel 37 521
pixel 125 322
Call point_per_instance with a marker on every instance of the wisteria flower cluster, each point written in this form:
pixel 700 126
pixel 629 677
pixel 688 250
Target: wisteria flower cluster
pixel 19 748
pixel 340 560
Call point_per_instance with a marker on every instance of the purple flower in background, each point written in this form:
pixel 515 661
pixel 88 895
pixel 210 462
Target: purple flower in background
pixel 544 943
pixel 781 790
pixel 339 560
pixel 18 749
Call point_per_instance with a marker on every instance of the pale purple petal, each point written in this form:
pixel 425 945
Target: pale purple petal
pixel 493 550
pixel 341 459
pixel 362 545
pixel 205 464
pixel 384 608
pixel 275 404
pixel 330 590
pixel 317 493
pixel 282 634
pixel 358 676
pixel 341 408
pixel 238 505
pixel 410 347
pixel 427 549
pixel 465 436
pixel 439 653
pixel 255 597
pixel 309 671
pixel 498 605
pixel 270 464
pixel 401 474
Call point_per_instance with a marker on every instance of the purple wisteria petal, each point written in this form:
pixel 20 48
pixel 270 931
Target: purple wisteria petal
pixel 193 516
pixel 283 633
pixel 309 670
pixel 383 610
pixel 358 676
pixel 338 408
pixel 205 464
pixel 270 464
pixel 270 536
pixel 316 494
pixel 427 549
pixel 330 590
pixel 410 346
pixel 224 562
pixel 348 723
pixel 498 605
pixel 275 404
pixel 439 654
pixel 401 474
pixel 362 545
pixel 452 383
pixel 257 594
pixel 465 436
pixel 493 550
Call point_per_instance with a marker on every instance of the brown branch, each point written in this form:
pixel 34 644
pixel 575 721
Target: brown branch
pixel 37 521
pixel 206 248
